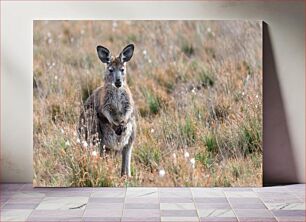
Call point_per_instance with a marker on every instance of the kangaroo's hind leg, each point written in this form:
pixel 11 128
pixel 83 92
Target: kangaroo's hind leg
pixel 126 157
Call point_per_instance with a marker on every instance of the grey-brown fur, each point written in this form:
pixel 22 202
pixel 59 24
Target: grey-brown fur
pixel 108 116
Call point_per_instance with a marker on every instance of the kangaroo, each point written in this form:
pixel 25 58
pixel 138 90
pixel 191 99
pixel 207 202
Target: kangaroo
pixel 108 115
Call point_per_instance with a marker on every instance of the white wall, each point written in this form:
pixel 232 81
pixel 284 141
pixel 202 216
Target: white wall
pixel 286 23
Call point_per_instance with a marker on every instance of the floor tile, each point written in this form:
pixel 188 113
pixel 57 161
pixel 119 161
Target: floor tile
pixel 247 200
pixel 274 193
pixel 176 199
pixel 25 200
pixel 207 192
pixel 4 197
pixel 141 206
pixel 178 213
pixel 254 219
pixel 27 187
pixel 106 200
pixel 238 189
pixel 291 219
pixel 3 200
pixel 135 192
pixel 179 219
pixel 20 206
pixel 140 219
pixel 65 189
pixel 289 213
pixel 240 194
pixel 248 206
pixel 177 206
pixel 212 206
pixel 142 200
pixel 218 219
pixel 278 189
pixel 141 213
pixel 274 197
pixel 210 200
pixel 101 219
pixel 109 192
pixel 281 200
pixel 285 206
pixel 300 195
pixel 56 213
pixel 110 206
pixel 62 203
pixel 67 193
pixel 301 187
pixel 10 186
pixel 253 213
pixel 175 192
pixel 14 215
pixel 55 219
pixel 27 194
pixel 103 213
pixel 216 213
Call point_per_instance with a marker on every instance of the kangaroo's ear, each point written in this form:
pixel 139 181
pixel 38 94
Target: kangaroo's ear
pixel 127 53
pixel 104 54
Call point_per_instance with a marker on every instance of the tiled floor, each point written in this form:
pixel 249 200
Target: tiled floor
pixel 21 202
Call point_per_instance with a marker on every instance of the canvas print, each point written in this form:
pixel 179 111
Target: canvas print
pixel 147 103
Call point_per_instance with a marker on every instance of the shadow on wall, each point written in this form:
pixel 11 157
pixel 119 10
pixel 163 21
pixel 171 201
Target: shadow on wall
pixel 278 160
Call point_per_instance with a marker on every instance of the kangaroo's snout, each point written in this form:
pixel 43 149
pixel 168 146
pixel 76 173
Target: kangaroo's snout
pixel 118 83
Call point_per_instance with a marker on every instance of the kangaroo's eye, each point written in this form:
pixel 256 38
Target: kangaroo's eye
pixel 110 70
pixel 122 69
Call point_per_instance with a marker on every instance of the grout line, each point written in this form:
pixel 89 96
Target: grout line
pixel 23 186
pixel 5 202
pixel 197 210
pixel 35 207
pixel 30 215
pixel 15 192
pixel 123 207
pixel 91 192
pixel 297 196
pixel 231 206
pixel 158 197
pixel 266 206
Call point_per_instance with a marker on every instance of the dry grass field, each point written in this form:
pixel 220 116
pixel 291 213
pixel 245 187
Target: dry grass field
pixel 197 87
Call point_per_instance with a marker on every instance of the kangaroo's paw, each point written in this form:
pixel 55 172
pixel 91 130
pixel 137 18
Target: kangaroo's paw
pixel 120 129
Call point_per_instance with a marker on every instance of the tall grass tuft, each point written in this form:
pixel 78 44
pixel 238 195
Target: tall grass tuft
pixel 210 142
pixel 149 156
pixel 206 79
pixel 188 131
pixel 188 49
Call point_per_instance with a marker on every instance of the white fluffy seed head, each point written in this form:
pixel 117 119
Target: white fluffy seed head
pixel 94 153
pixel 85 144
pixel 162 173
pixel 186 154
pixel 192 161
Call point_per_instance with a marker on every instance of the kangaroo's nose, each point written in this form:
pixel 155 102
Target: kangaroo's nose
pixel 118 83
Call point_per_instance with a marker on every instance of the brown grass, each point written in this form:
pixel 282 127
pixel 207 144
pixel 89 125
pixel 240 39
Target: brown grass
pixel 197 86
